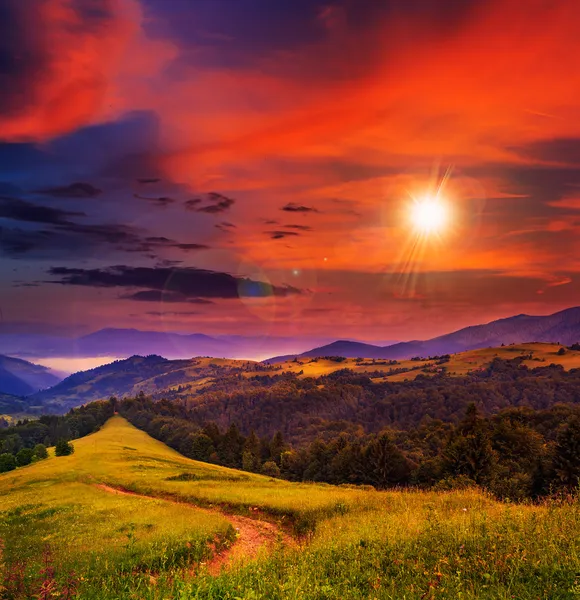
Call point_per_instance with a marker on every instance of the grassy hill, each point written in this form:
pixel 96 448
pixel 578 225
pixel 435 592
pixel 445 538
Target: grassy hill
pixel 66 533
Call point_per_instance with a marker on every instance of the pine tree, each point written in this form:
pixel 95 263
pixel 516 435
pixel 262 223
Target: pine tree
pixel 567 455
pixel 469 451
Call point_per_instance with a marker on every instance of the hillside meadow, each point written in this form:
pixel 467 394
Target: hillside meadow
pixel 66 534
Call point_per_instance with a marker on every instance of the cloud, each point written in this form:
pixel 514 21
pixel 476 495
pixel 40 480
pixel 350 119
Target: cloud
pixel 60 62
pixel 299 227
pixel 148 180
pixel 563 151
pixel 193 203
pixel 74 190
pixel 21 210
pixel 299 208
pixel 221 204
pixel 160 201
pixel 172 313
pixel 278 235
pixel 79 237
pixel 225 226
pixel 189 282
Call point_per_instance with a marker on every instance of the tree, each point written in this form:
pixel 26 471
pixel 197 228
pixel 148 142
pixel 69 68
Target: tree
pixel 201 447
pixel 387 465
pixel 567 455
pixel 469 451
pixel 277 446
pixel 24 456
pixel 251 454
pixel 64 448
pixel 7 462
pixel 40 451
pixel 271 469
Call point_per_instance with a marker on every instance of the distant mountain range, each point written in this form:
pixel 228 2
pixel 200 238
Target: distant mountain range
pixel 22 378
pixel 562 327
pixel 123 343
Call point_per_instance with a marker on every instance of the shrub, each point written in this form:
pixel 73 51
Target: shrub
pixel 24 457
pixel 7 462
pixel 40 452
pixel 271 469
pixel 64 448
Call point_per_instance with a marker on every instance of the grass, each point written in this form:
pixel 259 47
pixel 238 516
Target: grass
pixel 60 531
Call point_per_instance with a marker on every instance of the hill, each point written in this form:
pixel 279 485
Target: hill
pixel 562 327
pixel 126 517
pixel 22 378
pixel 149 374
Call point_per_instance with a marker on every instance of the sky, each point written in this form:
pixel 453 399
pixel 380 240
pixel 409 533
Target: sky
pixel 251 166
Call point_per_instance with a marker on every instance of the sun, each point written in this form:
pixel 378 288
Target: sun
pixel 429 215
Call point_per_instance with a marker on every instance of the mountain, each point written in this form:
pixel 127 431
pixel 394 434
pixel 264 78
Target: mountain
pixel 123 343
pixel 22 378
pixel 562 327
pixel 149 374
pixel 128 342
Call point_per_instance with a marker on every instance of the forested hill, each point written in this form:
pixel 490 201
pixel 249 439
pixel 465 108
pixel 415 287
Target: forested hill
pixel 303 408
pixel 510 428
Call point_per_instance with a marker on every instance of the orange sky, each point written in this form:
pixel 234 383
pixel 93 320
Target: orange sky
pixel 316 121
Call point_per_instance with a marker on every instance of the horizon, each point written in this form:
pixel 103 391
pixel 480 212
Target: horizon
pixel 325 164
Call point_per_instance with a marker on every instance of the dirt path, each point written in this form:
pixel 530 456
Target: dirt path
pixel 254 535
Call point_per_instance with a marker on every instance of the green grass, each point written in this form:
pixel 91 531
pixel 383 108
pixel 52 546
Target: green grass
pixel 361 544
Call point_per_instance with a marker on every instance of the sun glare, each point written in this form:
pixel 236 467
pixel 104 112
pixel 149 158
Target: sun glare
pixel 429 215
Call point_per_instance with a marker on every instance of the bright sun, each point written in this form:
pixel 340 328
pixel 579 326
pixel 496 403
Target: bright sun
pixel 429 215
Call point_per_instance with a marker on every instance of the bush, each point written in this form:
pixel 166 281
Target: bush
pixel 64 448
pixel 40 452
pixel 271 469
pixel 7 462
pixel 24 457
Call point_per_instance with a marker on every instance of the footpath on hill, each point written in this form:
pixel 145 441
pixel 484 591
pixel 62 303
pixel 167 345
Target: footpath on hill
pixel 253 535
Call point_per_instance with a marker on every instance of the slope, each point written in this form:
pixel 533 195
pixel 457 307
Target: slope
pixel 149 374
pixel 21 378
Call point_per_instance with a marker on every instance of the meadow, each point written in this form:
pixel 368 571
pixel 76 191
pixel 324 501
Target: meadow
pixel 66 534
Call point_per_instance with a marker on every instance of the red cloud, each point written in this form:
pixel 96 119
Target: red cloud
pixel 66 60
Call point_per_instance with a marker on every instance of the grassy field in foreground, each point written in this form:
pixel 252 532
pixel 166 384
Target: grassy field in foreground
pixel 58 529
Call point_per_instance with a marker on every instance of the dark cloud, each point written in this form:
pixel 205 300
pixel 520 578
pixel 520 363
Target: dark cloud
pixel 156 296
pixel 152 180
pixel 278 235
pixel 565 151
pixel 187 247
pixel 299 208
pixel 78 237
pixel 172 313
pixel 225 226
pixel 189 282
pixel 74 190
pixel 160 201
pixel 21 210
pixel 193 203
pixel 221 204
pixel 17 242
pixel 299 227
